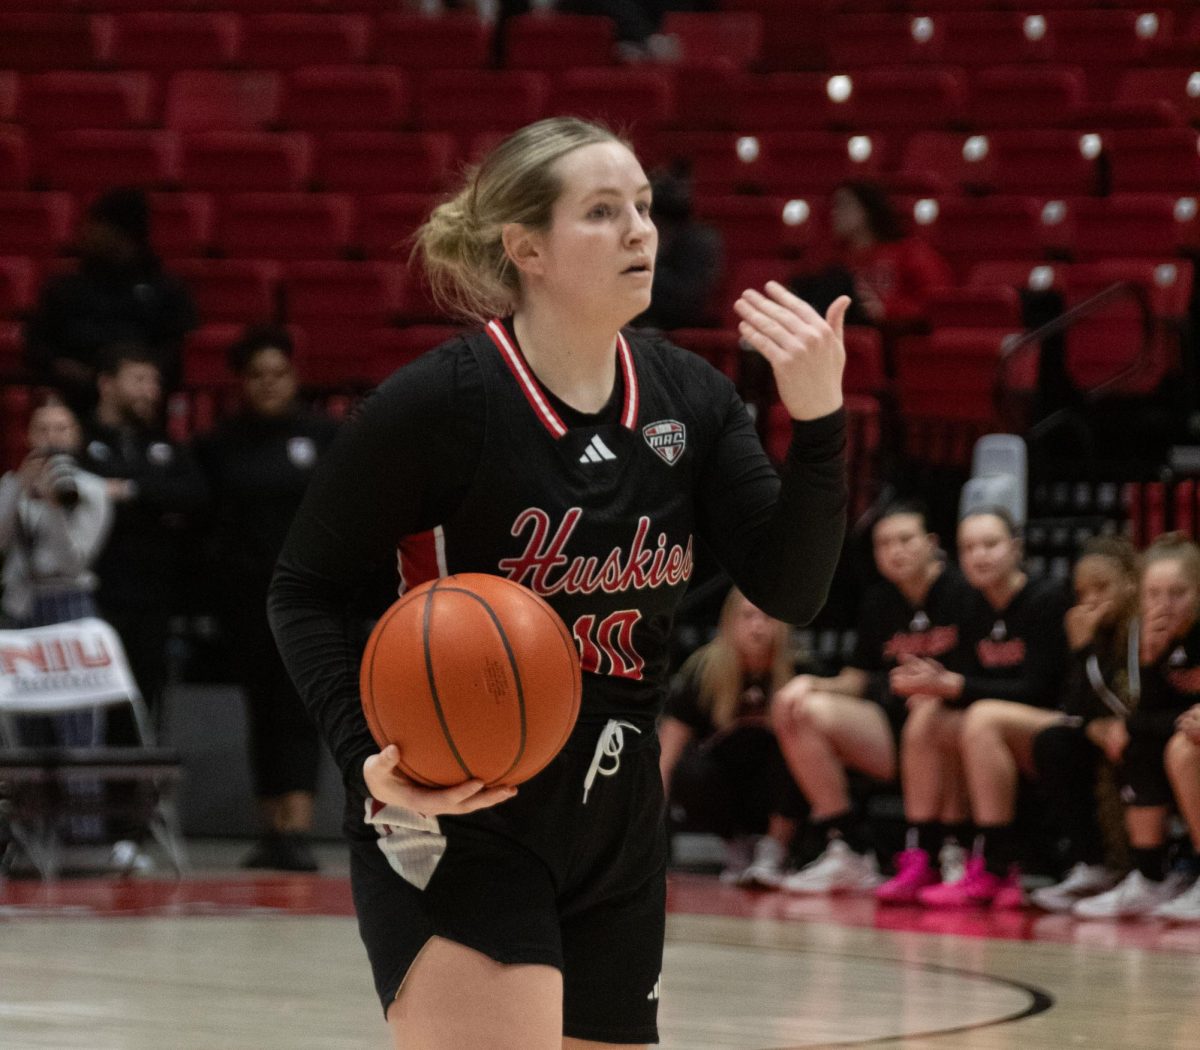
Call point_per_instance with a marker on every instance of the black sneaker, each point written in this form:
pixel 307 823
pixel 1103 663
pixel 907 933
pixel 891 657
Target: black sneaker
pixel 281 851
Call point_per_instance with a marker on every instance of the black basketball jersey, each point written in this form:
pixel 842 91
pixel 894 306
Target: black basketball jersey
pixel 465 463
pixel 597 518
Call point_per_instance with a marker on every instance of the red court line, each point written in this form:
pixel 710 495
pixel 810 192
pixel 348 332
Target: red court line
pixel 688 895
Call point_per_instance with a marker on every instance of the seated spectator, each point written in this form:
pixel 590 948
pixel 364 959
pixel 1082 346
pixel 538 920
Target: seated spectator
pixel 687 270
pixel 887 271
pixel 153 484
pixel 258 464
pixel 720 763
pixel 1168 687
pixel 119 293
pixel 853 720
pixel 1069 756
pixel 54 519
pixel 1011 647
pixel 999 739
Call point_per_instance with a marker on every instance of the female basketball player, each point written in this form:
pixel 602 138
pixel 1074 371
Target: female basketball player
pixel 721 764
pixel 540 447
pixel 998 737
pixel 1012 647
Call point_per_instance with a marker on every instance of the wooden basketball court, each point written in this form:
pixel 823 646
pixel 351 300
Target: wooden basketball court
pixel 230 961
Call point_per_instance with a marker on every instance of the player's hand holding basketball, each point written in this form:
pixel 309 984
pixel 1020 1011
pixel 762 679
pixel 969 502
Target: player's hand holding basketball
pixel 804 349
pixel 388 785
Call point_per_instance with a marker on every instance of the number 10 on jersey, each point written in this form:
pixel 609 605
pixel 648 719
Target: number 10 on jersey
pixel 607 647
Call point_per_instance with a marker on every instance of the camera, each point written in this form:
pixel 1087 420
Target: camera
pixel 60 480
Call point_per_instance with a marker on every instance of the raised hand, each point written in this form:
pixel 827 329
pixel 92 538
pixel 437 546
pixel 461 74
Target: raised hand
pixel 804 349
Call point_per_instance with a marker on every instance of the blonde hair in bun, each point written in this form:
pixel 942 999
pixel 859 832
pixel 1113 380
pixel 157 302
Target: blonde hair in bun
pixel 460 245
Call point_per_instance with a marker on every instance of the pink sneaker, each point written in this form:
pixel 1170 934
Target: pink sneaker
pixel 914 872
pixel 977 886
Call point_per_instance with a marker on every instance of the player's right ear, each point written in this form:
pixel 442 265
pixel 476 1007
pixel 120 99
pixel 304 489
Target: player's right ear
pixel 523 247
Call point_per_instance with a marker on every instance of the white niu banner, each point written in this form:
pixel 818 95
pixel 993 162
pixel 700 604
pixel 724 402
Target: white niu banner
pixel 78 663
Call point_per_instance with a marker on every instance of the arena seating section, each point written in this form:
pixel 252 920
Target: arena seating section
pixel 292 145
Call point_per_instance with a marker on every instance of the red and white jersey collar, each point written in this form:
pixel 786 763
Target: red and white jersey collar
pixel 539 400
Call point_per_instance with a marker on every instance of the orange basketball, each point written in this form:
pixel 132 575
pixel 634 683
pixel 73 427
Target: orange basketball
pixel 472 677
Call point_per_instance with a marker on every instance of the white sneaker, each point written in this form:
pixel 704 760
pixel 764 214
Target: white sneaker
pixel 952 860
pixel 128 857
pixel 1133 896
pixel 1083 880
pixel 838 870
pixel 737 858
pixel 1184 908
pixel 766 868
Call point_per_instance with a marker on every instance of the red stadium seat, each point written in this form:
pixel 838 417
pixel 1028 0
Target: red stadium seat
pixel 97 160
pixel 383 162
pixel 211 100
pixel 1154 160
pixel 205 355
pixel 36 224
pixel 10 86
pixel 794 35
pixel 865 369
pixel 355 294
pixel 717 165
pixel 867 41
pixel 164 41
pixel 1025 96
pixel 32 42
pixel 720 347
pixel 339 98
pixel 1167 285
pixel 704 95
pixel 14 161
pixel 815 162
pixel 87 100
pixel 469 101
pixel 181 223
pixel 733 38
pixel 237 291
pixel 955 159
pixel 966 231
pixel 1135 225
pixel 289 41
pixel 18 279
pixel 543 40
pixel 756 226
pixel 950 375
pixel 981 38
pixel 339 305
pixel 633 100
pixel 285 225
pixel 1035 161
pixel 1019 274
pixel 784 102
pixel 245 160
pixel 1102 38
pixel 918 99
pixel 998 306
pixel 386 223
pixel 393 348
pixel 744 272
pixel 420 42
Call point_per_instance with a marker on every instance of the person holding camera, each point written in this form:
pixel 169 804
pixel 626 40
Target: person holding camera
pixel 54 520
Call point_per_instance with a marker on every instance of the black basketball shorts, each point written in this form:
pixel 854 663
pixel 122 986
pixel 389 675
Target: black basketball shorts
pixel 543 878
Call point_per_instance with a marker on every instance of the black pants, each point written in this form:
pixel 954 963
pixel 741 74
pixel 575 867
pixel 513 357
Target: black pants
pixel 1068 765
pixel 284 747
pixel 735 784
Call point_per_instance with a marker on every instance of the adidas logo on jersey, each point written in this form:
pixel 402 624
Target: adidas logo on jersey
pixel 596 452
pixel 656 990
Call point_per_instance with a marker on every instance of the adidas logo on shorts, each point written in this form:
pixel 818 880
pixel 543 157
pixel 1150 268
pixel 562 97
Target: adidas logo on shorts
pixel 654 992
